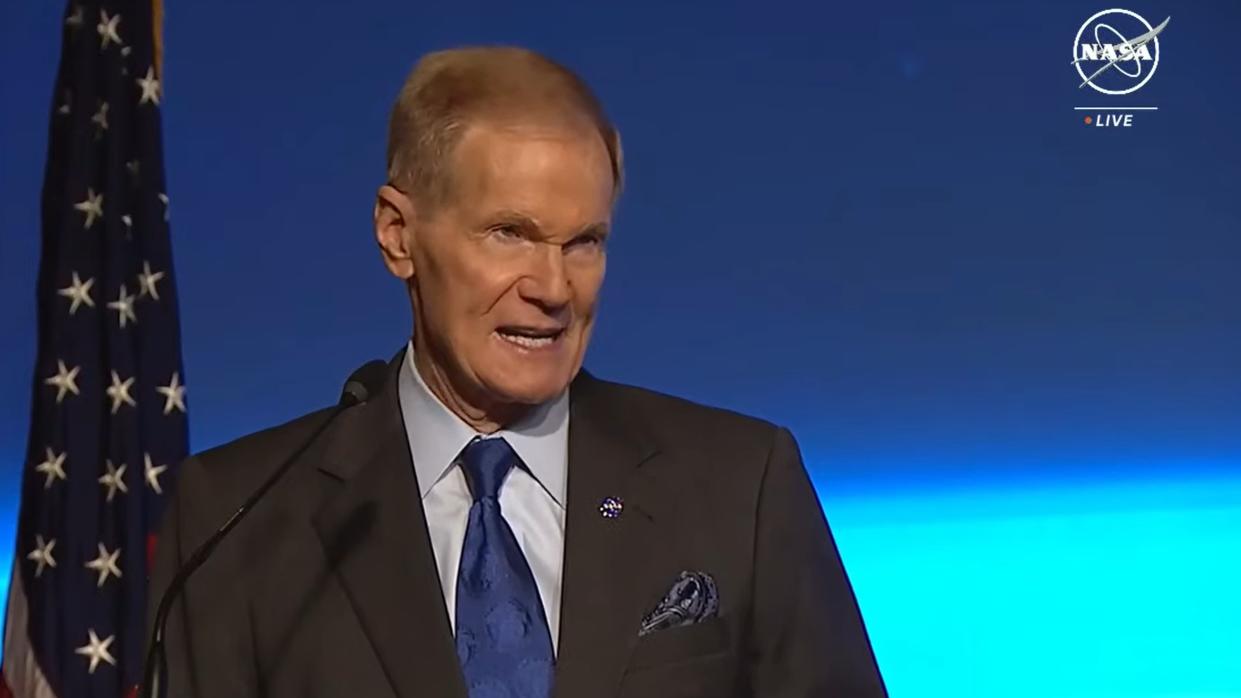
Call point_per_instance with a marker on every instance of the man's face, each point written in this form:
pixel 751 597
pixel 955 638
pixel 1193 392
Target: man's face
pixel 507 269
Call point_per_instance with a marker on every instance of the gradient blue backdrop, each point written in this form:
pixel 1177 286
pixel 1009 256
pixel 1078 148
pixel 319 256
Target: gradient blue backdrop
pixel 1008 343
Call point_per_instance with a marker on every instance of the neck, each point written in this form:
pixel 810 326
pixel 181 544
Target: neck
pixel 481 415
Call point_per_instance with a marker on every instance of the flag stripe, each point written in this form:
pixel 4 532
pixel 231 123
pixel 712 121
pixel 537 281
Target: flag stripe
pixel 20 668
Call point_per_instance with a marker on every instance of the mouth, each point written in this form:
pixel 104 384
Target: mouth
pixel 530 338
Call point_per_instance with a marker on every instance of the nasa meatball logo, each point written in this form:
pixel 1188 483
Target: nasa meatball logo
pixel 1116 52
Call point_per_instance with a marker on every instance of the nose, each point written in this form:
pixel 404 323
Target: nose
pixel 547 282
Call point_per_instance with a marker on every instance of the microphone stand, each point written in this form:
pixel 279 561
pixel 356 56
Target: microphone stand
pixel 156 666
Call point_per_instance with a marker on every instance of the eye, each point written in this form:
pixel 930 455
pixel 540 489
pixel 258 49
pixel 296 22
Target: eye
pixel 506 232
pixel 586 241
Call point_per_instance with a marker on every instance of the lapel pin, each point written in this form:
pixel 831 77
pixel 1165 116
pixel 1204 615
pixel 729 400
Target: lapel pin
pixel 611 507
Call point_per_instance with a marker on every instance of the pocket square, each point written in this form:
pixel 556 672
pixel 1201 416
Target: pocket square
pixel 692 598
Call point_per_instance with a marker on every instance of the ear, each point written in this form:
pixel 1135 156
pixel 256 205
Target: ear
pixel 394 230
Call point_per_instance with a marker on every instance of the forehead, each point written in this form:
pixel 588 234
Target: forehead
pixel 533 159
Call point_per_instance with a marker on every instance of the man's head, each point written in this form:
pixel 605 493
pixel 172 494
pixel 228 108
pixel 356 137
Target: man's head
pixel 502 172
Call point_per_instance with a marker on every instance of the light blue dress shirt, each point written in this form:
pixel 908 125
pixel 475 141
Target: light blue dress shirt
pixel 533 501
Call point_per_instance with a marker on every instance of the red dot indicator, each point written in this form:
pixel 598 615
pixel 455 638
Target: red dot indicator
pixel 1088 120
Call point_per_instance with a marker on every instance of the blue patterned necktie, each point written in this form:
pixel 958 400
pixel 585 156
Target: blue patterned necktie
pixel 503 642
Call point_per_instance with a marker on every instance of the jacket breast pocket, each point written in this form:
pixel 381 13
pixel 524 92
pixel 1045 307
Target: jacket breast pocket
pixel 671 645
pixel 693 661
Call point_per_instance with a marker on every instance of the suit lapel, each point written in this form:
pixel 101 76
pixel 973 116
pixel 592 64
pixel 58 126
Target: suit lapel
pixel 602 597
pixel 374 533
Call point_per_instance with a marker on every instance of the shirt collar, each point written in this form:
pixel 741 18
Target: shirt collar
pixel 437 436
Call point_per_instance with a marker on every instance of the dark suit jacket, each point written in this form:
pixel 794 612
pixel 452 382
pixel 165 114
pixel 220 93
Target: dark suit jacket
pixel 329 587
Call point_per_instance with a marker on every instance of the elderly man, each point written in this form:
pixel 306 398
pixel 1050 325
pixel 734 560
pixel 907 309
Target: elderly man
pixel 495 521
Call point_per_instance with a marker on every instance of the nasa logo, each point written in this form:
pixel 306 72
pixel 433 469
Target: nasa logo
pixel 1116 51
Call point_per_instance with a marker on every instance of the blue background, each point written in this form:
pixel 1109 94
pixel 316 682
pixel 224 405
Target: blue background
pixel 1008 342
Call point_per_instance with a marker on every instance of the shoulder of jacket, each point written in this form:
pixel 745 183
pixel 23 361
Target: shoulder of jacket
pixel 249 453
pixel 673 418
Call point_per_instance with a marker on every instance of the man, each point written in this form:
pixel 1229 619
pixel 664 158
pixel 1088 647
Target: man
pixel 493 520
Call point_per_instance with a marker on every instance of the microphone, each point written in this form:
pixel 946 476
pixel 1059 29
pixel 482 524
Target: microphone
pixel 364 382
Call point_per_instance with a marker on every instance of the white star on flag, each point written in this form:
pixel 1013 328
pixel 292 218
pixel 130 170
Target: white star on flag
pixel 75 20
pixel 92 207
pixel 119 392
pixel 42 555
pixel 153 472
pixel 164 198
pixel 66 108
pixel 107 29
pixel 113 479
pixel 174 394
pixel 78 293
pixel 124 305
pixel 150 87
pixel 97 651
pixel 147 280
pixel 105 564
pixel 53 468
pixel 64 380
pixel 100 118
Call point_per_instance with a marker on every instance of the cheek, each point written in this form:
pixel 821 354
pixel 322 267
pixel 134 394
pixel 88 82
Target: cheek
pixel 586 285
pixel 472 285
pixel 455 308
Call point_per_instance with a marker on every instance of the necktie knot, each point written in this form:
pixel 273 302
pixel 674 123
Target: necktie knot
pixel 486 463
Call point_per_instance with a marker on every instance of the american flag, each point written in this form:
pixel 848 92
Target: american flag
pixel 108 411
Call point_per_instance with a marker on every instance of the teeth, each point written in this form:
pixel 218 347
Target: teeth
pixel 530 342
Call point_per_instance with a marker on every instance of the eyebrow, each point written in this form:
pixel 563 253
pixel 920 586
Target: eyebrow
pixel 528 224
pixel 513 218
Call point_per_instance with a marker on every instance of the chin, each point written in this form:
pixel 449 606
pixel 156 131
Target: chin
pixel 528 385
